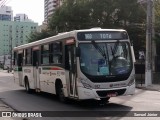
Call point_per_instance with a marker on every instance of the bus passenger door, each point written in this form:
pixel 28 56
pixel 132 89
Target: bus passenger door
pixel 35 69
pixel 19 69
pixel 70 64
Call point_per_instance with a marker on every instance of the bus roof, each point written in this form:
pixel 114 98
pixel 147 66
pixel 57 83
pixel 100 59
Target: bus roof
pixel 61 36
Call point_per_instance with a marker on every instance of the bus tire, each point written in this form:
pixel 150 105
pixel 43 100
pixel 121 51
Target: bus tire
pixel 60 93
pixel 28 90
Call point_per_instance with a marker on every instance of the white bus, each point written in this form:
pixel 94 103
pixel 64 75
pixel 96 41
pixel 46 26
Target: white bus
pixel 80 64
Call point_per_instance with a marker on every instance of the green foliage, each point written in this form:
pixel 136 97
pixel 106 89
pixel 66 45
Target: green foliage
pixel 157 40
pixel 130 11
pixel 39 35
pixel 157 26
pixel 137 37
pixel 72 15
pixel 157 16
pixel 83 14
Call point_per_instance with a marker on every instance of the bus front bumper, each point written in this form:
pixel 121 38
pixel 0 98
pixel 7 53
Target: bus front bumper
pixel 97 94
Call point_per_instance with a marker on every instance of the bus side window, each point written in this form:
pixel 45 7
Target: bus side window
pixel 56 53
pixel 45 54
pixel 28 56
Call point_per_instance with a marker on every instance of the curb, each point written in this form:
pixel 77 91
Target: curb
pixel 151 88
pixel 4 107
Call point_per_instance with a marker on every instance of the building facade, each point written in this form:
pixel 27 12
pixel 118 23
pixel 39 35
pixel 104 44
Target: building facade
pixel 13 34
pixel 50 7
pixel 6 13
pixel 21 18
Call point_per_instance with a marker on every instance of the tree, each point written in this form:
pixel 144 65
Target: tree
pixel 81 14
pixel 70 16
pixel 84 14
pixel 157 26
pixel 34 36
pixel 157 16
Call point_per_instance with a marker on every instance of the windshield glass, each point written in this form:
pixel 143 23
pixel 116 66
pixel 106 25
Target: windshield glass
pixel 99 59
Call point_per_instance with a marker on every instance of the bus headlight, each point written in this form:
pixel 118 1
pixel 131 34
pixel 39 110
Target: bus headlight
pixel 132 81
pixel 85 84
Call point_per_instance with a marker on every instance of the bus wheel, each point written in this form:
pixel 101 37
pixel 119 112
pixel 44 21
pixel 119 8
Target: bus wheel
pixel 28 90
pixel 60 93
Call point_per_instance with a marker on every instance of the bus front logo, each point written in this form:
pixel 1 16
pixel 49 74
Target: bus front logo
pixel 111 85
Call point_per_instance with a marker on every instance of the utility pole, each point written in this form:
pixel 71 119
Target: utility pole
pixel 4 59
pixel 10 46
pixel 154 52
pixel 11 57
pixel 148 62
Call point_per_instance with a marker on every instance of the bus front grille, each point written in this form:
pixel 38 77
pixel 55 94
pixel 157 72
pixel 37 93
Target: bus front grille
pixel 104 93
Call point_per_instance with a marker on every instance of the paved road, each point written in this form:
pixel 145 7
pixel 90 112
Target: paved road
pixel 19 100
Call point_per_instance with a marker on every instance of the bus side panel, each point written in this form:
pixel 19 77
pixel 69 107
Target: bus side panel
pixel 55 75
pixel 28 72
pixel 131 89
pixel 48 77
pixel 64 82
pixel 43 79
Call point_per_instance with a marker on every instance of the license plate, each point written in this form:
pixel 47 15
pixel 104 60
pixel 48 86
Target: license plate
pixel 111 94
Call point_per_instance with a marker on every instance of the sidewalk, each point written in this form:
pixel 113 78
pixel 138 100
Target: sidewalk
pixel 153 87
pixel 5 71
pixel 140 82
pixel 5 108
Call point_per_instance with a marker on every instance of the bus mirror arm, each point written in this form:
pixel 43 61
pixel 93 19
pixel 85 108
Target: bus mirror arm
pixel 78 52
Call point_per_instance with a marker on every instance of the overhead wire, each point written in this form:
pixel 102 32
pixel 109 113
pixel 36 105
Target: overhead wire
pixel 8 2
pixel 3 3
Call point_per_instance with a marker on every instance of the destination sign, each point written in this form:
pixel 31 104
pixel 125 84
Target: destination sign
pixel 103 35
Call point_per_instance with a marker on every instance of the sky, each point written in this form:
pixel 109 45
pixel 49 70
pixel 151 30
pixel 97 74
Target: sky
pixel 33 8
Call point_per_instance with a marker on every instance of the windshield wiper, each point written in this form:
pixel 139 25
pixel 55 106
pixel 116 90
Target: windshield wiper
pixel 114 50
pixel 99 49
pixel 102 52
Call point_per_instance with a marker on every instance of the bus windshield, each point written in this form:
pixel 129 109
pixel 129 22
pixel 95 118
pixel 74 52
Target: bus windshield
pixel 98 59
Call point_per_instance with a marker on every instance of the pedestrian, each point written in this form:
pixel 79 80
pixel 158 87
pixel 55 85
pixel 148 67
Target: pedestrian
pixel 7 69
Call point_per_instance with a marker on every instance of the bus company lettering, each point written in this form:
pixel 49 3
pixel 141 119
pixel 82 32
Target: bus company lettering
pixel 118 85
pixel 62 73
pixel 58 73
pixel 52 74
pixel 46 73
pixel 27 70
